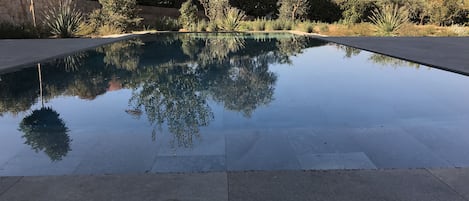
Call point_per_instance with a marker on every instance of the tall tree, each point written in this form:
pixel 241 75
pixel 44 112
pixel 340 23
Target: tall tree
pixel 293 9
pixel 214 8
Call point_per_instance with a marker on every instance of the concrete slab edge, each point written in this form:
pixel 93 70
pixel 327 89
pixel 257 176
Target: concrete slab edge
pixel 328 39
pixel 13 68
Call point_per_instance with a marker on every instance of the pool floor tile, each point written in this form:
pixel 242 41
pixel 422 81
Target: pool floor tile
pixel 119 155
pixel 260 150
pixel 189 164
pixel 322 141
pixel 206 144
pixel 39 165
pixel 444 140
pixel 395 148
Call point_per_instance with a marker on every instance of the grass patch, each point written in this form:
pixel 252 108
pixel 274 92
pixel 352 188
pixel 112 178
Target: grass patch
pixel 306 27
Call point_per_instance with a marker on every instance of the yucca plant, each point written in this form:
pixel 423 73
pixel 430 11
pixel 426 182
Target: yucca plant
pixel 232 19
pixel 63 19
pixel 390 18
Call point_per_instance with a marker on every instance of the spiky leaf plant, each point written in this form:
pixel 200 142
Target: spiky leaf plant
pixel 232 19
pixel 390 18
pixel 63 19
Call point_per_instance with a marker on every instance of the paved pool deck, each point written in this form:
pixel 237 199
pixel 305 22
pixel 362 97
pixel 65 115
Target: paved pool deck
pixel 18 53
pixel 355 185
pixel 448 184
pixel 447 53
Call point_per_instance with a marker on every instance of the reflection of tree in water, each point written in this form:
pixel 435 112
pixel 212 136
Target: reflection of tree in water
pixel 89 89
pixel 72 63
pixel 123 54
pixel 247 86
pixel 291 46
pixel 390 61
pixel 349 51
pixel 190 47
pixel 377 58
pixel 217 49
pixel 176 94
pixel 172 95
pixel 211 49
pixel 45 131
pixel 16 97
pixel 173 87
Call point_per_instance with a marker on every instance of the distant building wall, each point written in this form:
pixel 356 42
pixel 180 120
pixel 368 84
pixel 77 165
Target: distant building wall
pixel 14 10
pixel 18 11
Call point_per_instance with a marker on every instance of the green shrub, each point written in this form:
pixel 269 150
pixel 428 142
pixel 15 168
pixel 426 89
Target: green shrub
pixel 306 27
pixel 389 18
pixel 117 13
pixel 188 17
pixel 85 30
pixel 286 24
pixel 232 19
pixel 459 30
pixel 13 31
pixel 355 11
pixel 167 24
pixel 108 29
pixel 273 25
pixel 63 20
pixel 202 26
pixel 114 15
pixel 212 27
pixel 258 24
pixel 245 26
pixel 324 28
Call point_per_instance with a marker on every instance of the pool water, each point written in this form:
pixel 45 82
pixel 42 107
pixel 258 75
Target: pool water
pixel 218 102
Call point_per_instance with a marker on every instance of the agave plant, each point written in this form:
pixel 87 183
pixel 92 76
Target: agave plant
pixel 63 19
pixel 232 19
pixel 390 18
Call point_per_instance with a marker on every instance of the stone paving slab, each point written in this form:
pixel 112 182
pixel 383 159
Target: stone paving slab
pixel 7 182
pixel 145 187
pixel 338 185
pixel 457 178
pixel 23 52
pixel 447 53
pixel 360 185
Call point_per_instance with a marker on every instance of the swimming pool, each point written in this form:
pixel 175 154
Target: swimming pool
pixel 218 102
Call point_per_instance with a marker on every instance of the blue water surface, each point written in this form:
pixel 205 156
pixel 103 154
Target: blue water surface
pixel 218 102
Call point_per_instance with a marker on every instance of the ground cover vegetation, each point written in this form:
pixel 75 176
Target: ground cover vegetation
pixel 328 17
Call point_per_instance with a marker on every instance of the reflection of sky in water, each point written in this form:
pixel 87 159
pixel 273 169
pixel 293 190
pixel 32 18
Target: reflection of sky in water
pixel 321 89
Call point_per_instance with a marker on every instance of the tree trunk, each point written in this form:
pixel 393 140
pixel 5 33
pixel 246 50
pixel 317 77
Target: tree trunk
pixel 293 14
pixel 33 14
